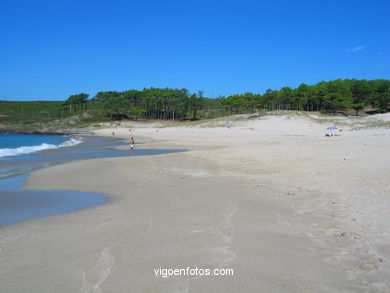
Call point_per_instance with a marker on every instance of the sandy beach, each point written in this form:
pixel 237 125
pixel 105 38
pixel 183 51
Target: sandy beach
pixel 288 209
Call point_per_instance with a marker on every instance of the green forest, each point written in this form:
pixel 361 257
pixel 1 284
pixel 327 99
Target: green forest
pixel 157 103
pixel 180 104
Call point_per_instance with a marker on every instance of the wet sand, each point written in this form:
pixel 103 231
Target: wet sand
pixel 289 213
pixel 18 205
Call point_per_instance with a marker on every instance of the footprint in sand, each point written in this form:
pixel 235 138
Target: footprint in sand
pixel 226 230
pixel 96 276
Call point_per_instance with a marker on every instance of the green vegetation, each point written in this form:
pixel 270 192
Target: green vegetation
pixel 76 100
pixel 180 104
pixel 29 112
pixel 152 103
pixel 328 96
pixel 29 116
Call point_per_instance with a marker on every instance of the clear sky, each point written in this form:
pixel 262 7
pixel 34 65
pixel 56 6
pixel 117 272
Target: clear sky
pixel 54 48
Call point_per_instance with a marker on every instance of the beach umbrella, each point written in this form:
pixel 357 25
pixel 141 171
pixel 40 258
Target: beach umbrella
pixel 331 128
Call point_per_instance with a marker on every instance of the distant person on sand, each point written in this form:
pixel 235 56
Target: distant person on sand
pixel 132 142
pixel 113 133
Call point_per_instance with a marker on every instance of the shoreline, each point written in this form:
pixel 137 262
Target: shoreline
pixel 18 203
pixel 287 213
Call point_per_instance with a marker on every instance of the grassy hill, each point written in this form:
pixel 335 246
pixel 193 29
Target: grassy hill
pixel 37 114
pixel 29 112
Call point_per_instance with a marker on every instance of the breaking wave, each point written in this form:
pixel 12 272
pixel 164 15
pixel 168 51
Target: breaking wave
pixel 7 152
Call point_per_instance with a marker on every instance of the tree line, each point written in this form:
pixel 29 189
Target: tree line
pixel 76 101
pixel 324 96
pixel 152 103
pixel 179 104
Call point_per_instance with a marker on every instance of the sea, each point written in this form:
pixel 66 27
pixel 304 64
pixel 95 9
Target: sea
pixel 19 144
pixel 21 154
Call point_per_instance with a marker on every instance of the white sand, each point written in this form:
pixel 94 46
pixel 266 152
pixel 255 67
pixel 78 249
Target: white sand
pixel 287 208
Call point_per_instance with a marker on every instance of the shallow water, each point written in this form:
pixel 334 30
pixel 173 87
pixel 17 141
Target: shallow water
pixel 92 147
pixel 17 204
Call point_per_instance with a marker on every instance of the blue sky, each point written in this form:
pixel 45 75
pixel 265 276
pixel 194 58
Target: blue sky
pixel 54 48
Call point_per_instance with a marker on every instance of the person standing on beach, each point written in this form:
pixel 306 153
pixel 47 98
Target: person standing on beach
pixel 132 142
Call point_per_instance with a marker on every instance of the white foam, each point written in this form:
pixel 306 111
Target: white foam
pixel 26 150
pixel 8 152
pixel 70 142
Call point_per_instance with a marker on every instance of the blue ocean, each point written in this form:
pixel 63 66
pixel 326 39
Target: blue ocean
pixel 19 144
pixel 23 153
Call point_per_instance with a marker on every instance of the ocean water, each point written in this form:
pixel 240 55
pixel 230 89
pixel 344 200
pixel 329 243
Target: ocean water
pixel 24 153
pixel 19 144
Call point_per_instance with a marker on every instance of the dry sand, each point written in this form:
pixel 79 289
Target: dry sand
pixel 287 208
